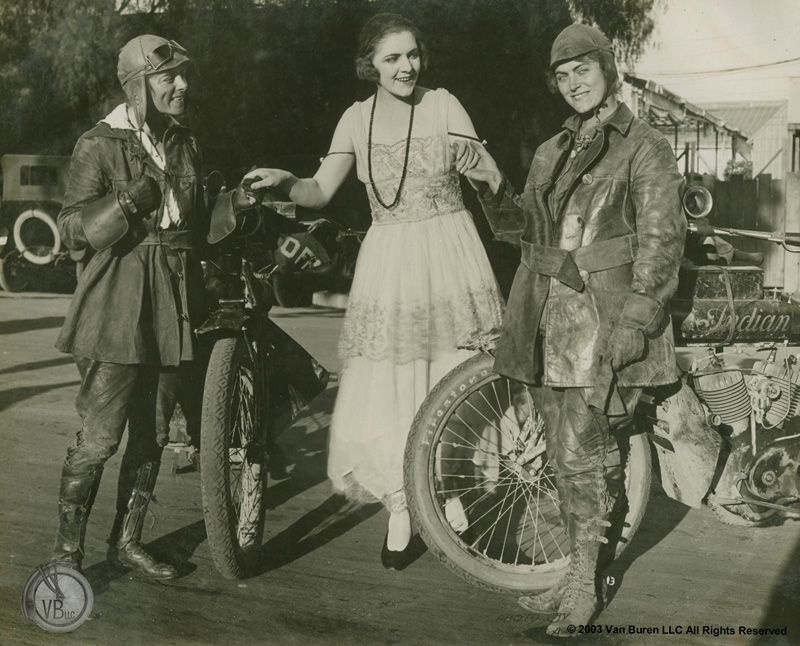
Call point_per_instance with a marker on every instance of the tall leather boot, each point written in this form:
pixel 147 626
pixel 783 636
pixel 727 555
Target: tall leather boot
pixel 580 600
pixel 127 530
pixel 77 492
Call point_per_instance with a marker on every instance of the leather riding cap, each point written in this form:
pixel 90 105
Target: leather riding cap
pixel 140 57
pixel 576 40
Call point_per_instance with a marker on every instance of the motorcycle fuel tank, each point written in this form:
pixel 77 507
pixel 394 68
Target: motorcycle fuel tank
pixel 722 305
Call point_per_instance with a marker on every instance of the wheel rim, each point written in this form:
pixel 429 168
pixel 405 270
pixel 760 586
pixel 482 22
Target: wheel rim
pixel 490 453
pixel 13 272
pixel 36 252
pixel 245 457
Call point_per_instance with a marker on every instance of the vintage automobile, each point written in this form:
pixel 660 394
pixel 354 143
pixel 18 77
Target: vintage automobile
pixel 31 251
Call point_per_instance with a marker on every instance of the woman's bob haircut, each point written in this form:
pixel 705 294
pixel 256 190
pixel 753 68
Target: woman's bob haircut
pixel 373 32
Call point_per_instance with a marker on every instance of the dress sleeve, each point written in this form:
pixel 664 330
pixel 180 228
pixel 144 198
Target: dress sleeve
pixel 348 138
pixel 343 139
pixel 457 121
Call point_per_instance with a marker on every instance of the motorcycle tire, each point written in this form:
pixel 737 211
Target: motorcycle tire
pixel 233 454
pixel 469 439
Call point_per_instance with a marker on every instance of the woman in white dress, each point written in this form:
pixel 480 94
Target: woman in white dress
pixel 423 284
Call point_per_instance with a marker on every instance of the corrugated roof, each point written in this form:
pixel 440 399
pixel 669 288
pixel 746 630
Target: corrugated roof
pixel 749 116
pixel 671 108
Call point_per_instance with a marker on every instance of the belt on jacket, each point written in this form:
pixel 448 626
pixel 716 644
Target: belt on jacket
pixel 171 239
pixel 573 267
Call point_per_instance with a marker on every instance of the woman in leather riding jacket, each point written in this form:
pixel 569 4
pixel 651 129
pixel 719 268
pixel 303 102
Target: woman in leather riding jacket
pixel 587 326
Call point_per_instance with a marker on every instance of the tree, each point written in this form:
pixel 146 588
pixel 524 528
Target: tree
pixel 629 23
pixel 274 76
pixel 58 67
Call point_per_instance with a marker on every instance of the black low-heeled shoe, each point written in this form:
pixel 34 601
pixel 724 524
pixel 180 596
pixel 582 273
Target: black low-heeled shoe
pixel 393 560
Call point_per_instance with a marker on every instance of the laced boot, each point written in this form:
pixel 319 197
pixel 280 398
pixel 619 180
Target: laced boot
pixel 76 497
pixel 580 600
pixel 130 552
pixel 548 602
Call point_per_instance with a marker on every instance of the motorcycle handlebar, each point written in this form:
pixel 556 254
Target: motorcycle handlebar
pixel 779 237
pixel 697 203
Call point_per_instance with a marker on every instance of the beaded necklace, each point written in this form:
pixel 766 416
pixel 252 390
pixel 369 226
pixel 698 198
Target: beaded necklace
pixel 405 161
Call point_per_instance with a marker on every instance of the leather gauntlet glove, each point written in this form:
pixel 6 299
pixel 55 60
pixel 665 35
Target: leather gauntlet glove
pixel 140 197
pixel 624 346
pixel 106 220
pixel 246 205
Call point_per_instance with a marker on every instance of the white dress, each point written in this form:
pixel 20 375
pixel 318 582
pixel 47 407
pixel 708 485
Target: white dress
pixel 422 286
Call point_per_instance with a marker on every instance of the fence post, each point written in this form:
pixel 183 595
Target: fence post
pixel 791 224
pixel 766 220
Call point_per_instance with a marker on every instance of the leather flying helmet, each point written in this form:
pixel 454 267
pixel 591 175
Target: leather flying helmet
pixel 140 57
pixel 576 40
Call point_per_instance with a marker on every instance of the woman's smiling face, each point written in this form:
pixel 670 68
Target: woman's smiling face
pixel 168 91
pixel 582 84
pixel 397 59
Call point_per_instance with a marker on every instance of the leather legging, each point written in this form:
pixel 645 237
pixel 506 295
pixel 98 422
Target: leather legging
pixel 578 437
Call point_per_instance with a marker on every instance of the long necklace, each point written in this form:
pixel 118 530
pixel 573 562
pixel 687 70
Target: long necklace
pixel 405 161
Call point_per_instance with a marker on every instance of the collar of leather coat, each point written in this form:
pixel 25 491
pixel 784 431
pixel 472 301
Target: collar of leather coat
pixel 102 129
pixel 620 120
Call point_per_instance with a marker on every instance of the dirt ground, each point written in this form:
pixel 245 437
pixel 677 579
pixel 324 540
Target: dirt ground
pixel 321 581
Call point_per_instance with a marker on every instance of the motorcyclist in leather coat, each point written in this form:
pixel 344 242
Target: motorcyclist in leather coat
pixel 601 232
pixel 135 197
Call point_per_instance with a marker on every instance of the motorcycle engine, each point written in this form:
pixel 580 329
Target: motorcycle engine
pixel 725 393
pixel 776 393
pixel 771 394
pixel 774 475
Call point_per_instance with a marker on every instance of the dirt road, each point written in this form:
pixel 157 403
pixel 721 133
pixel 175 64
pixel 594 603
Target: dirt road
pixel 321 580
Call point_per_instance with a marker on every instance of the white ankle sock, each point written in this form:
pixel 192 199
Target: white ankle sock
pixel 399 531
pixel 455 514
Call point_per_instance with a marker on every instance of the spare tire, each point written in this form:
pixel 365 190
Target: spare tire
pixel 37 239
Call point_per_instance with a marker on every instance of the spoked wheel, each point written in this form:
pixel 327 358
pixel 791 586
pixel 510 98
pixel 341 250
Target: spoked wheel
pixel 233 453
pixel 479 439
pixel 15 272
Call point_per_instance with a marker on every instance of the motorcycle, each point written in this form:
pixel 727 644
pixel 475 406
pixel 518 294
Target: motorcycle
pixel 726 434
pixel 258 378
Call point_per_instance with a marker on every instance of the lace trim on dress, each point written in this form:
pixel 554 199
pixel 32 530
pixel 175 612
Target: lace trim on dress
pixel 380 332
pixel 424 198
pixel 354 492
pixel 394 502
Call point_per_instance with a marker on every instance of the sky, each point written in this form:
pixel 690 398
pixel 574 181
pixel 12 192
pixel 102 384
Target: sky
pixel 695 40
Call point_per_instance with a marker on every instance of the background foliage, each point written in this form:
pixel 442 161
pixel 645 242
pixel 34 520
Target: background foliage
pixel 272 78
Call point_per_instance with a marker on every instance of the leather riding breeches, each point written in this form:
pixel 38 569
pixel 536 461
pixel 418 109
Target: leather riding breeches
pixel 113 395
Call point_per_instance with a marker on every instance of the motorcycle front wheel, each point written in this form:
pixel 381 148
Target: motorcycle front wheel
pixel 478 438
pixel 233 453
